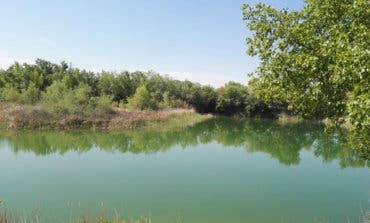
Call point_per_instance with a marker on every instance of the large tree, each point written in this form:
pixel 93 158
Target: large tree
pixel 316 60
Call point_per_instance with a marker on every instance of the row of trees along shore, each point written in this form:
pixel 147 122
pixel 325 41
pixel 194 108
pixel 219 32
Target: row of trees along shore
pixel 68 90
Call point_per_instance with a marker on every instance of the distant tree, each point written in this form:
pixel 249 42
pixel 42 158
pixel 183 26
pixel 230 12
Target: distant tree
pixel 31 95
pixel 62 99
pixel 106 83
pixel 234 98
pixel 124 86
pixel 203 98
pixel 10 94
pixel 142 99
pixel 54 92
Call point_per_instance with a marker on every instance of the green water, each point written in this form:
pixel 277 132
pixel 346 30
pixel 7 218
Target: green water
pixel 220 170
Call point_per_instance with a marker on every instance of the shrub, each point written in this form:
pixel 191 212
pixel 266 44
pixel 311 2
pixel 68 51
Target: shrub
pixel 54 96
pixel 10 94
pixel 31 95
pixel 54 92
pixel 203 98
pixel 235 99
pixel 142 100
pixel 78 101
pixel 103 105
pixel 166 101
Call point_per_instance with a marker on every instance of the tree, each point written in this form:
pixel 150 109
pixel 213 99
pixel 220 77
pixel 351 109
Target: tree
pixel 201 98
pixel 10 94
pixel 31 95
pixel 311 58
pixel 106 83
pixel 55 92
pixel 61 99
pixel 234 98
pixel 142 99
pixel 316 59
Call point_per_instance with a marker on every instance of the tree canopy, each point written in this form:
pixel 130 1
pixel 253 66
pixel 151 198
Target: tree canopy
pixel 316 60
pixel 69 90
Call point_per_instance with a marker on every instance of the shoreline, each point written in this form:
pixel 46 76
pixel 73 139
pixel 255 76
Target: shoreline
pixel 37 117
pixel 34 117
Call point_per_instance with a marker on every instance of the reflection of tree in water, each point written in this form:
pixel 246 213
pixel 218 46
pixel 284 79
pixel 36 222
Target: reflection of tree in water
pixel 282 142
pixel 333 147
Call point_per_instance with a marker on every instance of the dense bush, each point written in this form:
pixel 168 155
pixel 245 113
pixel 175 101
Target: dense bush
pixel 102 105
pixel 235 98
pixel 31 95
pixel 10 94
pixel 73 91
pixel 142 99
pixel 79 101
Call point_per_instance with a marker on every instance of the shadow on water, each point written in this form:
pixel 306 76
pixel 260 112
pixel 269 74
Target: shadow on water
pixel 282 142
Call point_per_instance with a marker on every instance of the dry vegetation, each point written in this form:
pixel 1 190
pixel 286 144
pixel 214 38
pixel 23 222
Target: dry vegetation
pixel 20 117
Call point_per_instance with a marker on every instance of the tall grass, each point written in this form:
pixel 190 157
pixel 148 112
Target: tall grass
pixel 10 216
pixel 38 117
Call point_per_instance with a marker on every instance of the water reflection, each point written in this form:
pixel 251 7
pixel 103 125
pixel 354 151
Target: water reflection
pixel 282 142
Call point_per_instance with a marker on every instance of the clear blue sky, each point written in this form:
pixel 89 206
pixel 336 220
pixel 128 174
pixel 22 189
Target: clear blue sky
pixel 199 40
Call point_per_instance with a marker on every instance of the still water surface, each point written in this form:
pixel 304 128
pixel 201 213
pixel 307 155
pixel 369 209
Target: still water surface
pixel 220 170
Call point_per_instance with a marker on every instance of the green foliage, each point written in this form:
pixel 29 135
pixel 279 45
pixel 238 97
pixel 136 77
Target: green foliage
pixel 31 95
pixel 102 105
pixel 142 99
pixel 311 58
pixel 359 111
pixel 73 91
pixel 201 98
pixel 235 98
pixel 106 84
pixel 10 94
pixel 119 86
pixel 316 60
pixel 54 92
pixel 166 103
pixel 359 118
pixel 78 101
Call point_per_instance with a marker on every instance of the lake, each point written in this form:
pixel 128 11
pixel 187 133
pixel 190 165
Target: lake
pixel 219 170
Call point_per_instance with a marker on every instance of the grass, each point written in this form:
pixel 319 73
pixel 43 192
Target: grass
pixel 9 218
pixel 27 117
pixel 169 120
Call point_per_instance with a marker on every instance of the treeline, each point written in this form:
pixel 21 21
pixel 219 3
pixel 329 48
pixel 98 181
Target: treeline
pixel 69 90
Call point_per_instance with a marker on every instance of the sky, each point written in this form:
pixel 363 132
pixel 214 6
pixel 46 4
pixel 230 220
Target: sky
pixel 198 40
